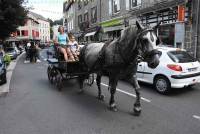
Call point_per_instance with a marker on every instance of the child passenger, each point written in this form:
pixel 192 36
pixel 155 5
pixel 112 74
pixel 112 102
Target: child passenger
pixel 74 47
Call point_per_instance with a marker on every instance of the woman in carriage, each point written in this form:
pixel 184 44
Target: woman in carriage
pixel 62 40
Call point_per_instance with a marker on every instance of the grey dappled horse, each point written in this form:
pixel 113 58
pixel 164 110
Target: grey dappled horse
pixel 120 54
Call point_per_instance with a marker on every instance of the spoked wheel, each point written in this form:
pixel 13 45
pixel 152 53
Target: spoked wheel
pixel 58 80
pixel 90 79
pixel 50 74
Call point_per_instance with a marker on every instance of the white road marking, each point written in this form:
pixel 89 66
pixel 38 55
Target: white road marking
pixel 196 117
pixel 129 94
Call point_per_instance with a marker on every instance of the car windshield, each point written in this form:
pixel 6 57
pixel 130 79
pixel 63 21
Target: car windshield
pixel 180 56
pixel 10 49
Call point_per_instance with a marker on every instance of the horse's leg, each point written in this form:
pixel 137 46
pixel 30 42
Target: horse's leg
pixel 113 84
pixel 98 80
pixel 137 106
pixel 81 80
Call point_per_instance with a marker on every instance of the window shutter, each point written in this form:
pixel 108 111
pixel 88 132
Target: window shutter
pixel 110 7
pixel 127 4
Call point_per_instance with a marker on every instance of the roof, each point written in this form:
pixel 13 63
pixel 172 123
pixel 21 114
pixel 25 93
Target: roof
pixel 38 16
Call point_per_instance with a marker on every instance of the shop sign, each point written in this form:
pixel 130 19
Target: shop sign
pixel 181 13
pixel 113 22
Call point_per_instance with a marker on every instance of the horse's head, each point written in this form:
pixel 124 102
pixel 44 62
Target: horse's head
pixel 147 41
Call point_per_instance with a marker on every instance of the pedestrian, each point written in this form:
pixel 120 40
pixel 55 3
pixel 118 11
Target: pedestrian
pixel 37 52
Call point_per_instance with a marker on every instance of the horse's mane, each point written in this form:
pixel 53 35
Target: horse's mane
pixel 128 37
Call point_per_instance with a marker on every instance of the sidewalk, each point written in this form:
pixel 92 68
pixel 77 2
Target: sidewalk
pixel 5 88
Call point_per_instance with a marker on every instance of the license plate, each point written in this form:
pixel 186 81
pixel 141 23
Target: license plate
pixel 192 69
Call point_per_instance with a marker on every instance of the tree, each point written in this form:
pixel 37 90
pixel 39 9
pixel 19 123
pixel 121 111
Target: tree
pixel 12 15
pixel 50 21
pixel 58 22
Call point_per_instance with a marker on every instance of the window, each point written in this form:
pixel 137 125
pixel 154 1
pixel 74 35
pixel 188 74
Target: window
pixel 115 6
pixel 18 33
pixel 135 3
pixel 79 19
pixel 79 5
pixel 85 2
pixel 86 17
pixel 180 56
pixel 24 32
pixel 94 15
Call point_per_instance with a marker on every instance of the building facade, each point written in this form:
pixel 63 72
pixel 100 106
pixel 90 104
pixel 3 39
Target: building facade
pixel 55 31
pixel 35 28
pixel 82 19
pixel 179 26
pixel 30 31
pixel 44 30
pixel 195 27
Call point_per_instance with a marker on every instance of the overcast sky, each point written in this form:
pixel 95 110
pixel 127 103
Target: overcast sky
pixel 48 8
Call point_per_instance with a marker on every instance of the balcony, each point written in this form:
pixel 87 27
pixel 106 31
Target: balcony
pixel 155 5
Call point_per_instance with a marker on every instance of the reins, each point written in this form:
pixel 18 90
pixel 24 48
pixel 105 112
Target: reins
pixel 135 46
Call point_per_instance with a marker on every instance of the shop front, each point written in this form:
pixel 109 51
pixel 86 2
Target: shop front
pixel 172 30
pixel 111 29
pixel 92 34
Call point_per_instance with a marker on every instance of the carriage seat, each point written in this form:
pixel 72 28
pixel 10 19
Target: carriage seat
pixel 58 55
pixel 52 61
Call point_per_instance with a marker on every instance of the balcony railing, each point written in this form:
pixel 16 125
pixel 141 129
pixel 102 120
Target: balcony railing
pixel 158 3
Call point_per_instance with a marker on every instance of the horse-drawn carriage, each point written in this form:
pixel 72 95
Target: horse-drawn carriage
pixel 113 56
pixel 59 70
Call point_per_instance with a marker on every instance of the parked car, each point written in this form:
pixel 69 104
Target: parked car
pixel 17 50
pixel 3 78
pixel 11 51
pixel 177 69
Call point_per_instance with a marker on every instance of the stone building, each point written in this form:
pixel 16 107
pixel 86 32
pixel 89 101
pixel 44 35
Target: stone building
pixel 195 27
pixel 82 19
pixel 35 28
pixel 178 28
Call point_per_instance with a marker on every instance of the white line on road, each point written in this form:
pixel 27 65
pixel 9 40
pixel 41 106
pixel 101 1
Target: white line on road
pixel 196 117
pixel 129 94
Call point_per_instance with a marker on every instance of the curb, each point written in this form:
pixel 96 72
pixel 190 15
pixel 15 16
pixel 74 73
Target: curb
pixel 5 88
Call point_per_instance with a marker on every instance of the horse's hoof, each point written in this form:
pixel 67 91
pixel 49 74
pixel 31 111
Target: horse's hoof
pixel 101 97
pixel 113 107
pixel 137 111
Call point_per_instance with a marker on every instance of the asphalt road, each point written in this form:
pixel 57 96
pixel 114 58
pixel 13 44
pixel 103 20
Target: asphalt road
pixel 34 106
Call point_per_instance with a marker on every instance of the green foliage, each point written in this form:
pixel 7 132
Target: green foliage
pixel 58 22
pixel 12 15
pixel 7 59
pixel 50 21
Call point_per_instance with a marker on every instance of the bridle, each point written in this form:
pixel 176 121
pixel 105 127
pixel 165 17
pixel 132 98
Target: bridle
pixel 138 48
pixel 138 44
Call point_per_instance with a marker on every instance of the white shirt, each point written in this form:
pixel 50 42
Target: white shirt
pixel 73 45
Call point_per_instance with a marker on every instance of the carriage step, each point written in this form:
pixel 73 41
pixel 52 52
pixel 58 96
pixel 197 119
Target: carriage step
pixel 52 60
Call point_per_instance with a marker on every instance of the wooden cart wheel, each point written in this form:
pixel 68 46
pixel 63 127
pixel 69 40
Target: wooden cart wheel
pixel 58 80
pixel 49 73
pixel 90 79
